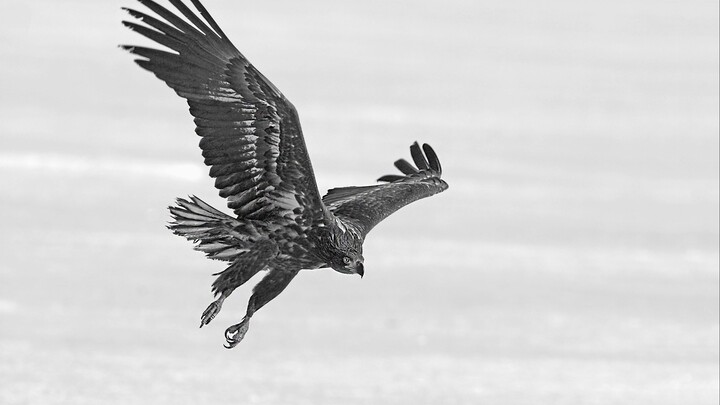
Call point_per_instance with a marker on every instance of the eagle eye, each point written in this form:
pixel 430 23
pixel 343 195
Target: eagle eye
pixel 346 260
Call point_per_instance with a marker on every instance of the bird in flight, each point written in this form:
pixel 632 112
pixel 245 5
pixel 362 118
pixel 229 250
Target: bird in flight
pixel 251 139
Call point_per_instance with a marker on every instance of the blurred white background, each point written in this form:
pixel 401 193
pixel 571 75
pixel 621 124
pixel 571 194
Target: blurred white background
pixel 574 259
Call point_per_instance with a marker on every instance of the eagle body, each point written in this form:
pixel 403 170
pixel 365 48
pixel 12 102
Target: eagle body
pixel 251 139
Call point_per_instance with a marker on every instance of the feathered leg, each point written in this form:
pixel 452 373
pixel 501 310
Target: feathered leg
pixel 267 289
pixel 242 269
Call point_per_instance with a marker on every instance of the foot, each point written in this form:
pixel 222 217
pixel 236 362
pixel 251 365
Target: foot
pixel 236 333
pixel 212 310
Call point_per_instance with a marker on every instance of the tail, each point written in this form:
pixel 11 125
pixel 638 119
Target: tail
pixel 215 233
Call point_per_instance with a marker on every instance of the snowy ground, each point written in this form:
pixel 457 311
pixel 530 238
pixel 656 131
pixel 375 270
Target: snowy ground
pixel 574 259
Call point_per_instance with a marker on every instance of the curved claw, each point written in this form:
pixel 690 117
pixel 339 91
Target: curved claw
pixel 236 333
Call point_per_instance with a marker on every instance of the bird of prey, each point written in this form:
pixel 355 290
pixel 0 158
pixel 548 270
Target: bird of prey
pixel 252 142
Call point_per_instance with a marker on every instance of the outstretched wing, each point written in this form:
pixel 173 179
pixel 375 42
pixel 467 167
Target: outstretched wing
pixel 366 206
pixel 251 136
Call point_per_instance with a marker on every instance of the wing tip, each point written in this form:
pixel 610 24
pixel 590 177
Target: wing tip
pixel 405 167
pixel 432 158
pixel 389 178
pixel 418 156
pixel 424 158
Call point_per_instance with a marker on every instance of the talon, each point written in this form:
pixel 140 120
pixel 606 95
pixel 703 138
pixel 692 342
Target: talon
pixel 236 333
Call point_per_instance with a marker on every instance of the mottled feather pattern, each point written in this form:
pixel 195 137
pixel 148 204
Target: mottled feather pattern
pixel 245 266
pixel 217 234
pixel 251 137
pixel 364 207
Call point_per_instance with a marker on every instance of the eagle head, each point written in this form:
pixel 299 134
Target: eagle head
pixel 348 262
pixel 344 252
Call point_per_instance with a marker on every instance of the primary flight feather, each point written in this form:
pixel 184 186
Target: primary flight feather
pixel 252 141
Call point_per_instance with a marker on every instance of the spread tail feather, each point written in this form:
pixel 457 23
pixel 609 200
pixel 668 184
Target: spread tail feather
pixel 215 233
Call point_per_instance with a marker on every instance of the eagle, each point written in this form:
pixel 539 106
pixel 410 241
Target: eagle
pixel 251 139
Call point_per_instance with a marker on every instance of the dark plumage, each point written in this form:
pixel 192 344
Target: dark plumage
pixel 252 141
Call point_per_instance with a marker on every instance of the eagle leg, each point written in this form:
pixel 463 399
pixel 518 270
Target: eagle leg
pixel 236 333
pixel 213 309
pixel 268 288
pixel 244 268
pixel 240 271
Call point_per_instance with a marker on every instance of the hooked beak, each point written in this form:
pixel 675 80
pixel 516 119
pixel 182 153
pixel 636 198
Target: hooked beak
pixel 360 269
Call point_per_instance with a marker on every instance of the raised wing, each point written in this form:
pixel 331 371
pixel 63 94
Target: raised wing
pixel 251 136
pixel 366 206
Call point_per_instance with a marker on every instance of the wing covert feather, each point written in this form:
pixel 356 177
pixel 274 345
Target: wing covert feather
pixel 366 206
pixel 251 134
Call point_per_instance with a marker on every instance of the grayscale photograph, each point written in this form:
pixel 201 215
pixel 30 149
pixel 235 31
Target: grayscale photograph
pixel 378 202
